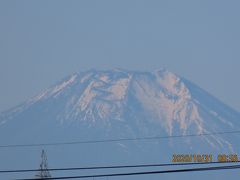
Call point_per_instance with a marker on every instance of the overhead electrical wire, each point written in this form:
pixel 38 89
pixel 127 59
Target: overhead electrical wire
pixel 115 140
pixel 123 166
pixel 116 167
pixel 212 168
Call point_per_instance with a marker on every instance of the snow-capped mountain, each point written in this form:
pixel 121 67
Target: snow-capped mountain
pixel 95 105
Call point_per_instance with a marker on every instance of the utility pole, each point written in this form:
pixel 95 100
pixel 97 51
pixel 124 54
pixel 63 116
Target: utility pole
pixel 43 169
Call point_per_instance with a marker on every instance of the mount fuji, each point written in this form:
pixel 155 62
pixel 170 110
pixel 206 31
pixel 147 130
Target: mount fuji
pixel 116 104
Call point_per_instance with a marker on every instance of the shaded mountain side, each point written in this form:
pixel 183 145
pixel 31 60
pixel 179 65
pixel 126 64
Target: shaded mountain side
pixel 96 105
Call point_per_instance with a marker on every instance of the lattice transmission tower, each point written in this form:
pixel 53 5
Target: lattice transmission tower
pixel 43 169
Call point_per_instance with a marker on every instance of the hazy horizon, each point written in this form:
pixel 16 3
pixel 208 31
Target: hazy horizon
pixel 44 41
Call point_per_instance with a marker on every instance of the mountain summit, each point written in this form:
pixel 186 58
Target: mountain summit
pixel 96 105
pixel 118 95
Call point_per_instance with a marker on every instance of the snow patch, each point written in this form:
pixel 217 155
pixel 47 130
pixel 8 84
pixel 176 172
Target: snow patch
pixel 104 78
pixel 119 89
pixel 62 86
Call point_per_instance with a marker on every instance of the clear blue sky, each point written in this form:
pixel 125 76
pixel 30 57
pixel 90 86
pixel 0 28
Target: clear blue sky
pixel 43 41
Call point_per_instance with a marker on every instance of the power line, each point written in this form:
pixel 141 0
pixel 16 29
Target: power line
pixel 117 167
pixel 213 168
pixel 115 140
pixel 43 170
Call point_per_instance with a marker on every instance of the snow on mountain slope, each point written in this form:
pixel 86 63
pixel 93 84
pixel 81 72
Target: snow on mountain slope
pixel 121 103
pixel 116 104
